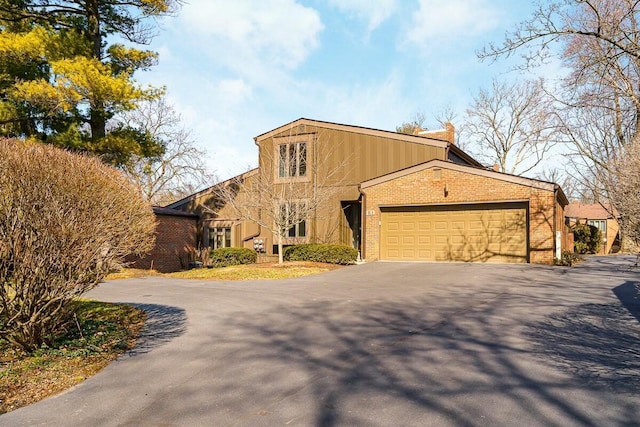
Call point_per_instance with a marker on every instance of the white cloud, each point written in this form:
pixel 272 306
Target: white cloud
pixel 233 91
pixel 282 31
pixel 442 19
pixel 374 13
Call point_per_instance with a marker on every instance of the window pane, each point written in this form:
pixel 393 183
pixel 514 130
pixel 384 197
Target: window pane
pixel 292 232
pixel 302 157
pixel 282 159
pixel 212 238
pixel 227 237
pixel 302 229
pixel 292 160
pixel 219 241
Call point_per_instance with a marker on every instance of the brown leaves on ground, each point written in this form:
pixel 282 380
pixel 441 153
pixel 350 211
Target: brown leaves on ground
pixel 107 331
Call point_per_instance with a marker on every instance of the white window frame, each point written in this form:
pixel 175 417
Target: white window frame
pixel 600 224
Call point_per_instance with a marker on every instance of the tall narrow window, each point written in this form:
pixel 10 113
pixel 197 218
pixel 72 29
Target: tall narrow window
pixel 293 212
pixel 292 159
pixel 302 159
pixel 282 160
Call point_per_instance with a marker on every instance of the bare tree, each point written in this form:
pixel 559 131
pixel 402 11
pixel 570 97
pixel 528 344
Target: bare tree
pixel 570 184
pixel 66 220
pixel 181 169
pixel 624 190
pixel 512 125
pixel 412 127
pixel 599 42
pixel 289 202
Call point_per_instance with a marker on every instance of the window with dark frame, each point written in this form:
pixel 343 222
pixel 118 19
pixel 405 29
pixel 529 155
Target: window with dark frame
pixel 219 237
pixel 294 210
pixel 292 160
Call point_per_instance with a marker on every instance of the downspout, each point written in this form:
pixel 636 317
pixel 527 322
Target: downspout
pixel 556 250
pixel 363 224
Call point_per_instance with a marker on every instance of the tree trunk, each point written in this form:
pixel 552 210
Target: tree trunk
pixel 280 254
pixel 97 120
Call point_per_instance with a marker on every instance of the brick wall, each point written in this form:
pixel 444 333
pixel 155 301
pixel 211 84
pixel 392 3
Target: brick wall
pixel 423 187
pixel 176 241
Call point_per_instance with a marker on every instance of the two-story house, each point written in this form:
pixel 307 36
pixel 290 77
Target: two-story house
pixel 393 197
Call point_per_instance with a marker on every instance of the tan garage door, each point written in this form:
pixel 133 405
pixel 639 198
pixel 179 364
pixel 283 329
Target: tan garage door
pixel 472 233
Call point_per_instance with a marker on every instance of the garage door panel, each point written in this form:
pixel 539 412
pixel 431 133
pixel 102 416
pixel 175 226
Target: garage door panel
pixel 393 240
pixel 486 233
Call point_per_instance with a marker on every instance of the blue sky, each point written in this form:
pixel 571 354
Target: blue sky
pixel 236 69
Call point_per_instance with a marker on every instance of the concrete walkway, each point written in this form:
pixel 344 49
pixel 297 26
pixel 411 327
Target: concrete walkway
pixel 424 344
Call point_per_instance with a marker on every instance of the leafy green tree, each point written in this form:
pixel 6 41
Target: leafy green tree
pixel 61 80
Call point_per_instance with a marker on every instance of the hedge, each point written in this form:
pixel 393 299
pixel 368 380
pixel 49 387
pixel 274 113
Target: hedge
pixel 587 239
pixel 224 257
pixel 318 252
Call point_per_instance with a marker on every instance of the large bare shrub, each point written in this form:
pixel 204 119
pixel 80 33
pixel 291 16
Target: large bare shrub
pixel 65 221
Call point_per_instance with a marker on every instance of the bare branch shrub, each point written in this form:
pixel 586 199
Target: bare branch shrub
pixel 66 220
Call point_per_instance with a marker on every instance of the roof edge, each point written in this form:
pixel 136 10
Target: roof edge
pixel 531 182
pixel 208 189
pixel 357 129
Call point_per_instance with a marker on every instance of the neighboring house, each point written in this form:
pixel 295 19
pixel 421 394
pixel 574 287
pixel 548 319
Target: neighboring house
pixel 175 244
pixel 399 197
pixel 600 216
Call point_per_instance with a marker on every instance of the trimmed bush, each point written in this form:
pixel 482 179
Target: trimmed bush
pixel 224 257
pixel 318 252
pixel 569 259
pixel 587 239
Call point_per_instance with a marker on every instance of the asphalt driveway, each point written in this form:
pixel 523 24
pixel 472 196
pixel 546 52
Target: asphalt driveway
pixel 377 344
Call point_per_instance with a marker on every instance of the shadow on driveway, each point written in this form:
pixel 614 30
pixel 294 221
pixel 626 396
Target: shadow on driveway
pixel 163 324
pixel 405 359
pixel 597 343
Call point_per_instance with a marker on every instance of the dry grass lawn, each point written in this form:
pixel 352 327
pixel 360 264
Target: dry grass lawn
pixel 269 271
pixel 265 271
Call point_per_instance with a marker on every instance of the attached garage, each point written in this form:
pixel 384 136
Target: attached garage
pixel 442 211
pixel 466 232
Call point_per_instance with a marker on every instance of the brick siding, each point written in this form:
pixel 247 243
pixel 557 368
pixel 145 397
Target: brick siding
pixel 176 242
pixel 422 188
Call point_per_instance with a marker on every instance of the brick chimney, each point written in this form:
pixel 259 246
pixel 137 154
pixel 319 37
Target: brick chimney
pixel 451 132
pixel 448 133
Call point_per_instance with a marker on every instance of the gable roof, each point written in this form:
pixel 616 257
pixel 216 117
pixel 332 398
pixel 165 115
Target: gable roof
pixel 193 196
pixel 488 173
pixel 442 143
pixel 579 210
